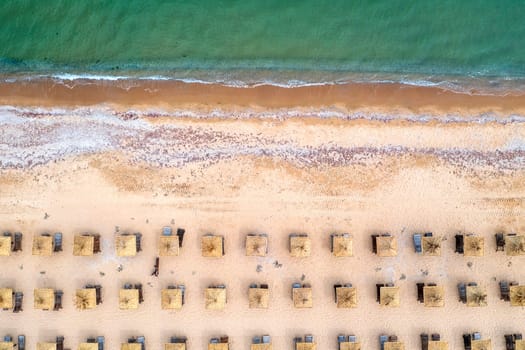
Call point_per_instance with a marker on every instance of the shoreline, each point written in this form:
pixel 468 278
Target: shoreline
pixel 170 96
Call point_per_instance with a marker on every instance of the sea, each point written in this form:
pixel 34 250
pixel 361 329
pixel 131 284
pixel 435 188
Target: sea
pixel 450 43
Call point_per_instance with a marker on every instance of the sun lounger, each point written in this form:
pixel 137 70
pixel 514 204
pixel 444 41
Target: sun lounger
pixel 374 243
pixel 91 340
pixel 142 340
pixel 128 286
pixel 352 338
pixel 156 267
pixel 224 339
pixel 19 298
pixel 60 343
pixel 341 338
pixel 138 242
pixel 98 293
pixel 256 340
pixel 392 338
pixel 17 242
pixel 427 234
pixel 332 242
pixel 308 338
pixel 500 242
pixel 417 243
pixel 504 290
pixel 382 340
pixel 476 336
pixel 96 243
pixel 21 342
pixel 296 285
pixel 459 244
pixel 214 341
pixel 431 284
pixel 509 342
pixel 266 339
pixel 8 338
pixel 462 290
pixel 335 290
pixel 424 341
pixel 435 337
pixel 141 294
pixel 420 296
pixel 167 231
pixel 517 336
pixel 348 285
pixel 58 300
pixel 264 286
pixel 180 234
pixel 467 341
pixel 57 242
pixel 253 285
pixel 472 284
pixel 223 251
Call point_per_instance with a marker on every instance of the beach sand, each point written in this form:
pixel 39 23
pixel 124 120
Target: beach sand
pixel 82 171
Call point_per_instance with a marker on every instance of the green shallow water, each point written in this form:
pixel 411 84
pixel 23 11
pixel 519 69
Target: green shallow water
pixel 322 39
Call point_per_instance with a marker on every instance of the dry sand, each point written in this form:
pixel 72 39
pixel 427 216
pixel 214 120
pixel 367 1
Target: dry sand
pixel 278 176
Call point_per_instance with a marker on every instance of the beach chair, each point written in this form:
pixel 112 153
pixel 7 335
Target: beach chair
pixel 459 244
pixel 504 290
pixel 22 342
pixel 141 294
pixel 308 338
pixel 420 296
pixel 57 242
pixel 58 300
pixel 382 340
pixel 138 242
pixel 17 242
pixel 256 340
pixel 142 341
pixel 424 341
pixel 509 342
pixel 500 242
pixel 180 234
pixel 167 231
pixel 435 337
pixel 19 298
pixel 417 243
pixel 266 339
pixel 60 343
pixel 467 341
pixel 462 290
pixel 96 243
pixel 374 243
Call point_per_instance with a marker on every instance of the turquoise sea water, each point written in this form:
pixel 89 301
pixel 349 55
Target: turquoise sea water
pixel 249 41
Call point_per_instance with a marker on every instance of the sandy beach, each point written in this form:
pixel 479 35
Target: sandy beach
pixel 101 157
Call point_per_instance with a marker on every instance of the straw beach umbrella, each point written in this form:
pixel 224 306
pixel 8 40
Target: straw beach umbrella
pixel 256 245
pixel 126 245
pixel 46 346
pixel 394 345
pixel 349 346
pixel 42 245
pixel 171 299
pixel 5 245
pixel 128 299
pixel 482 344
pixel 520 344
pixel 169 245
pixel 437 345
pixel 386 246
pixel 389 296
pixel 212 246
pixel 6 298
pixel 7 345
pixel 300 246
pixel 346 297
pixel 88 346
pixel 44 298
pixel 431 245
pixel 474 246
pixel 517 295
pixel 305 346
pixel 476 296
pixel 258 298
pixel 302 297
pixel 83 245
pixel 131 346
pixel 515 245
pixel 215 298
pixel 342 245
pixel 86 299
pixel 218 346
pixel 175 346
pixel 434 296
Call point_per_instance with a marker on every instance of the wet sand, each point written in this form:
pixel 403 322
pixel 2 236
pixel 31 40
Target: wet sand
pixel 93 170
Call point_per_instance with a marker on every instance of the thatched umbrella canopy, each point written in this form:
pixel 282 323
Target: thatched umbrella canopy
pixel 126 245
pixel 171 299
pixel 46 346
pixel 88 346
pixel 349 346
pixel 302 298
pixel 215 298
pixel 437 345
pixel 211 246
pixel 86 298
pixel 83 245
pixel 131 346
pixel 476 296
pixel 305 346
pixel 300 246
pixel 174 346
pixel 515 245
pixel 262 346
pixel 218 346
pixel 473 246
pixel 128 299
pixel 434 296
pixel 346 297
pixel 386 246
pixel 482 344
pixel 258 298
pixel 6 298
pixel 44 298
pixel 389 296
pixel 517 295
pixel 520 344
pixel 42 245
pixel 5 245
pixel 394 345
pixel 169 246
pixel 431 245
pixel 256 245
pixel 342 245
pixel 7 345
